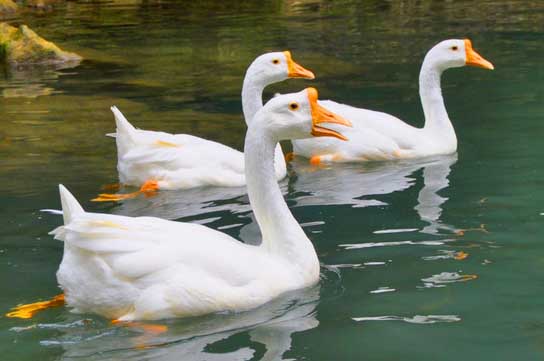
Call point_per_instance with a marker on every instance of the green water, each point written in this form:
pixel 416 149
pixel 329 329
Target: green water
pixel 386 234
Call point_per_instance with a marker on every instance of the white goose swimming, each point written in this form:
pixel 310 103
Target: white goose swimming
pixel 144 268
pixel 158 160
pixel 380 136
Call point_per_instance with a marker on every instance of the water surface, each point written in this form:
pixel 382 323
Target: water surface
pixel 438 259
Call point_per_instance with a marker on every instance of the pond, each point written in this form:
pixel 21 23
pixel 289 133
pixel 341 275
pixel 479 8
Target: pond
pixel 436 259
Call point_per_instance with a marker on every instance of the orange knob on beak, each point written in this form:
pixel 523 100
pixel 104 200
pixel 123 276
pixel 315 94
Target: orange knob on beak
pixel 295 70
pixel 322 115
pixel 475 59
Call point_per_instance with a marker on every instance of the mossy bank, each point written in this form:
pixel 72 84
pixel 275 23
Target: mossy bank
pixel 20 46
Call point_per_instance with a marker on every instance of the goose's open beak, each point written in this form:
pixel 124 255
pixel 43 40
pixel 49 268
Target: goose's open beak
pixel 475 59
pixel 295 70
pixel 322 115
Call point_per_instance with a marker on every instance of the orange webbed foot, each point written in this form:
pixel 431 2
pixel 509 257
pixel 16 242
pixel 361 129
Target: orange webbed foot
pixel 459 256
pixel 149 189
pixel 108 197
pixel 153 328
pixel 289 157
pixel 325 158
pixel 27 311
pixel 461 232
pixel 149 330
pixel 315 160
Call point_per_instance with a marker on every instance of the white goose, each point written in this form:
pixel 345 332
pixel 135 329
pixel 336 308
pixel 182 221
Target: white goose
pixel 146 268
pixel 380 136
pixel 158 160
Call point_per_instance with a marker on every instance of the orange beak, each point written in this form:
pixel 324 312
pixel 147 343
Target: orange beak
pixel 295 70
pixel 475 59
pixel 322 115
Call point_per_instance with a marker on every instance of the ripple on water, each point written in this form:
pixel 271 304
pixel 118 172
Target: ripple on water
pixel 441 279
pixel 357 265
pixel 229 226
pixel 349 246
pixel 418 319
pixel 400 230
pixel 376 263
pixel 78 323
pixel 344 265
pixel 446 254
pixel 383 290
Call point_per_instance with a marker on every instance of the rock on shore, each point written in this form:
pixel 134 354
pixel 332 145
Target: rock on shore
pixel 23 46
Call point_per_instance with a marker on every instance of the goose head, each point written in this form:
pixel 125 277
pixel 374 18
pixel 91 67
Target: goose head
pixel 275 67
pixel 299 116
pixel 455 53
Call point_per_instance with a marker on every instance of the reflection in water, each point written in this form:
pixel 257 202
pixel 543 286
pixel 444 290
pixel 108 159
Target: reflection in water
pixel 418 319
pixel 349 184
pixel 198 339
pixel 202 205
pixel 353 184
pixel 185 203
pixel 32 81
pixel 349 246
pixel 429 207
pixel 340 184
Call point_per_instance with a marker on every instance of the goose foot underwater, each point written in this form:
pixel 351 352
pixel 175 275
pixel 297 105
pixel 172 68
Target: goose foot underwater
pixel 151 328
pixel 289 157
pixel 461 232
pixel 320 159
pixel 148 189
pixel 461 255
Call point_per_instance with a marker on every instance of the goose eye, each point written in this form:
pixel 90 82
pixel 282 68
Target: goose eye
pixel 454 48
pixel 293 106
pixel 275 61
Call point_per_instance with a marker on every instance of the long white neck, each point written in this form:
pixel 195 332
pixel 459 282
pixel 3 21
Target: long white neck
pixel 252 95
pixel 282 235
pixel 252 102
pixel 437 121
